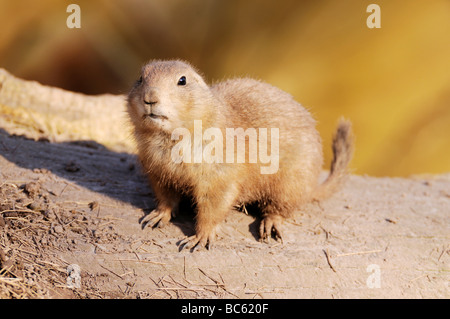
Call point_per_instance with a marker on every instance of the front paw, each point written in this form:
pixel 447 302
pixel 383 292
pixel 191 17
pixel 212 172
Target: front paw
pixel 156 218
pixel 201 240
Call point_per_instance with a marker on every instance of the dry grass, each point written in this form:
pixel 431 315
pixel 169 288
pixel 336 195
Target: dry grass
pixel 33 231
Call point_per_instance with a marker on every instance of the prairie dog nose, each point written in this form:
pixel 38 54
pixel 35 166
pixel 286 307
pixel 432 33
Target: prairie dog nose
pixel 151 103
pixel 151 96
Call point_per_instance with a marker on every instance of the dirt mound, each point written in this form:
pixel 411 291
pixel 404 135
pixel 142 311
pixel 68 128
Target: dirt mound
pixel 70 228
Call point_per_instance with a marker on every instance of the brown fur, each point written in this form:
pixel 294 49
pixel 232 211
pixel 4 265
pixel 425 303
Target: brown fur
pixel 217 187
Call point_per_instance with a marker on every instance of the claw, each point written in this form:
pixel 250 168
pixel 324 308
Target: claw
pixel 157 218
pixel 197 241
pixel 270 225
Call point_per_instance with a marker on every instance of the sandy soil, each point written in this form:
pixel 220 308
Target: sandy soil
pixel 79 203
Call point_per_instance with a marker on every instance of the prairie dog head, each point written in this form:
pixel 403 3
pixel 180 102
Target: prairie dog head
pixel 168 95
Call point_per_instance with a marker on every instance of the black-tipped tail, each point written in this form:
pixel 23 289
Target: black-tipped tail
pixel 342 155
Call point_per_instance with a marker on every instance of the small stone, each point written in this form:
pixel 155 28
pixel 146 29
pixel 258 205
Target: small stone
pixel 93 205
pixel 32 189
pixel 58 229
pixel 72 167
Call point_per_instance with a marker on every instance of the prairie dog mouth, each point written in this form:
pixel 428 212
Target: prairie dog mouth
pixel 155 116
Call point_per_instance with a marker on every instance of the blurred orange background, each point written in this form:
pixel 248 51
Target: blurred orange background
pixel 393 83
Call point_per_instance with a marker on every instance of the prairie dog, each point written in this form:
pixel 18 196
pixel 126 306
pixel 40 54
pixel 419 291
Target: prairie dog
pixel 171 95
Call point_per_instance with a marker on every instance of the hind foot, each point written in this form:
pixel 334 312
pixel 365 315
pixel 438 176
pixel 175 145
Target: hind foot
pixel 271 224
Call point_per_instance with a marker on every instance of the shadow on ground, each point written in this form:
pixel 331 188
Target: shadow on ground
pixel 90 165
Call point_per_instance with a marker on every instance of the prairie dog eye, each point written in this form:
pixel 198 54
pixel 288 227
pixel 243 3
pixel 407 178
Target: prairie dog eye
pixel 139 81
pixel 182 81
